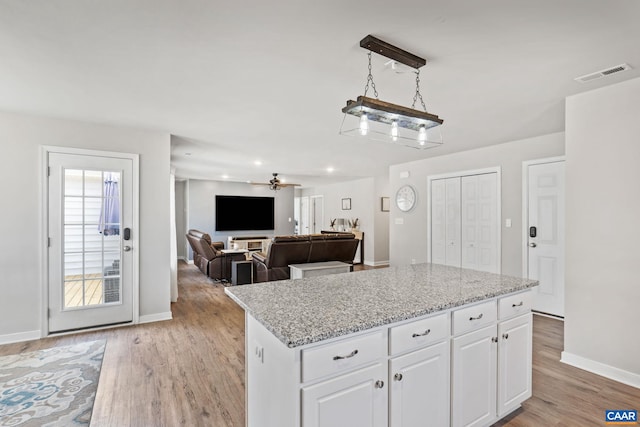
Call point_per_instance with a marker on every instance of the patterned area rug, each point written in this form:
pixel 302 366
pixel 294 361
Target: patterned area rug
pixel 53 387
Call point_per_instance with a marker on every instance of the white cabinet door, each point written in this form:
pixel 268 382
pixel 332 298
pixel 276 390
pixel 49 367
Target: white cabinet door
pixel 420 388
pixel 357 399
pixel 480 223
pixel 474 378
pixel 514 363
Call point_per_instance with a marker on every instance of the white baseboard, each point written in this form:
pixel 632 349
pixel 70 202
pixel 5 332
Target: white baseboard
pixel 20 336
pixel 189 261
pixel 158 317
pixel 613 373
pixel 183 258
pixel 377 263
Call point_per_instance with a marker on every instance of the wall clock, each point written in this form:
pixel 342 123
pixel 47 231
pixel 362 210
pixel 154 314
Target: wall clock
pixel 406 198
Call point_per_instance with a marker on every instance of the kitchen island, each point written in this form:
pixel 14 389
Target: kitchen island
pixel 422 344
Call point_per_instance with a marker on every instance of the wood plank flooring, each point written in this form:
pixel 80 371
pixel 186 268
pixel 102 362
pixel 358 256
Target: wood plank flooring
pixel 190 371
pixel 73 290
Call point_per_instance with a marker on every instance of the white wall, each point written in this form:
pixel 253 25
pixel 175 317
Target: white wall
pixel 21 138
pixel 201 207
pixel 603 213
pixel 365 204
pixel 409 241
pixel 381 220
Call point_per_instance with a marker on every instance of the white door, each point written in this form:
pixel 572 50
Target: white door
pixel 296 215
pixel 514 363
pixel 445 221
pixel 545 235
pixel 474 378
pixel 90 261
pixel 420 388
pixel 357 399
pixel 480 222
pixel 304 216
pixel 317 214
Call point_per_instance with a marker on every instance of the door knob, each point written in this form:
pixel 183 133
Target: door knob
pixel 126 248
pixel 533 245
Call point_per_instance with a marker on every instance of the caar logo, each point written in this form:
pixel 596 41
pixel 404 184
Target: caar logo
pixel 621 416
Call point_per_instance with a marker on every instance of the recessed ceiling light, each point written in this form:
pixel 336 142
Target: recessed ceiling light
pixel 225 176
pixel 330 169
pixel 257 163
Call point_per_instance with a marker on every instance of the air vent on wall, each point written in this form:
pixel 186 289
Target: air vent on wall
pixel 603 73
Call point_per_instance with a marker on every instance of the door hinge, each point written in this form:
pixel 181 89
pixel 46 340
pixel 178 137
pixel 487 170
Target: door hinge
pixel 48 242
pixel 48 170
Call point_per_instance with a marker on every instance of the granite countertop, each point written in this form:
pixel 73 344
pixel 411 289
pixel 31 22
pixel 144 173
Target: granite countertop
pixel 305 311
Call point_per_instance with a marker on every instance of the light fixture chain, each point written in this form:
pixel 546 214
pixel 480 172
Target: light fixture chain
pixel 418 95
pixel 370 79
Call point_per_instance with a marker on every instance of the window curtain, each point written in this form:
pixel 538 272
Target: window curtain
pixel 109 224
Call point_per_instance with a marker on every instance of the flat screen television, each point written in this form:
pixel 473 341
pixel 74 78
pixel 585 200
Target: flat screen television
pixel 235 213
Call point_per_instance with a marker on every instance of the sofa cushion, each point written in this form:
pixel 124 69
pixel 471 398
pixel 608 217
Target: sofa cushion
pixel 333 250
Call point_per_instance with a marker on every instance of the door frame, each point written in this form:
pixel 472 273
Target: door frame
pixel 44 229
pixel 525 205
pixel 497 170
pixel 312 212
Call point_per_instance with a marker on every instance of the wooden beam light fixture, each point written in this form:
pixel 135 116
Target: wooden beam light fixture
pixel 379 120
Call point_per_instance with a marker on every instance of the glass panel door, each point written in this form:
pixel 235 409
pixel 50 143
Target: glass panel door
pixel 91 238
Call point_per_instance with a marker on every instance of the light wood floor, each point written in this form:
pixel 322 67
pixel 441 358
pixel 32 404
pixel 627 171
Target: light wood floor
pixel 190 371
pixel 73 290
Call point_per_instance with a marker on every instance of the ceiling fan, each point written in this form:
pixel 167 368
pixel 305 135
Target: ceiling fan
pixel 275 184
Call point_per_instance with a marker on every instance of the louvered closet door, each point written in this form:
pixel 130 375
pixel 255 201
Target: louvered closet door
pixel 480 222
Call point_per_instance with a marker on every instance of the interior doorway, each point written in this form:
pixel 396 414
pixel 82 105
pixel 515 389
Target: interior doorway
pixel 92 242
pixel 544 232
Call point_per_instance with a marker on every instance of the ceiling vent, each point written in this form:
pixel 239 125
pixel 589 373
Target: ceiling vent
pixel 603 73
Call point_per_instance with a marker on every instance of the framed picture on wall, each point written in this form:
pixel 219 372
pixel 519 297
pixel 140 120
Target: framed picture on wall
pixel 384 204
pixel 346 204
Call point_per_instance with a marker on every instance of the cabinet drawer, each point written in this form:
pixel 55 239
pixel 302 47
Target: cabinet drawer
pixel 342 355
pixel 418 333
pixel 513 305
pixel 474 317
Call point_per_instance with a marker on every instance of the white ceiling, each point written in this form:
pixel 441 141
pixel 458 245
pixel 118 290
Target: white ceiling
pixel 250 80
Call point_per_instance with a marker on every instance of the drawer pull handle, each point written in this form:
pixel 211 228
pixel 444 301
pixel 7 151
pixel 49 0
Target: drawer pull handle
pixel 427 332
pixel 379 384
pixel 517 305
pixel 494 339
pixel 353 353
pixel 505 336
pixel 476 318
pixel 398 377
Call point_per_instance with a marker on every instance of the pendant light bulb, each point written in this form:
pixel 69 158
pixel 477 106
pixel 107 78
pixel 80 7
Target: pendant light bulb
pixel 364 124
pixel 422 135
pixel 394 130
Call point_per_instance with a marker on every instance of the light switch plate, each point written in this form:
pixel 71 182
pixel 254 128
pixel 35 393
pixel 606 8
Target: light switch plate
pixel 507 222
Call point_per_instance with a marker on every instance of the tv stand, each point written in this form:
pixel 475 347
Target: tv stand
pixel 252 244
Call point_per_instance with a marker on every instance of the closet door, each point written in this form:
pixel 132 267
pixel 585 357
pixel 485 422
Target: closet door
pixel 480 222
pixel 445 221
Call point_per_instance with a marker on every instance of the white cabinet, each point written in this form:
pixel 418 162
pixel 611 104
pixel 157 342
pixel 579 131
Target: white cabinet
pixel 514 363
pixel 251 244
pixel 491 366
pixel 419 388
pixel 474 378
pixel 355 399
pixel 469 366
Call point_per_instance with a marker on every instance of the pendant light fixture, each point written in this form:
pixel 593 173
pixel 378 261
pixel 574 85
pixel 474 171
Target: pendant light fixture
pixel 383 121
